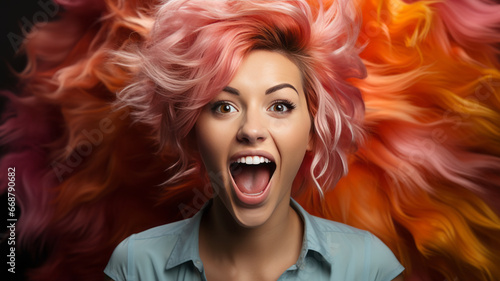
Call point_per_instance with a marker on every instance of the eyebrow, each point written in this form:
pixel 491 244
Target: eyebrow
pixel 271 90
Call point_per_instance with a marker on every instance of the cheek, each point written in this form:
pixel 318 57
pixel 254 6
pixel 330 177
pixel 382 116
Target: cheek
pixel 292 139
pixel 292 132
pixel 211 142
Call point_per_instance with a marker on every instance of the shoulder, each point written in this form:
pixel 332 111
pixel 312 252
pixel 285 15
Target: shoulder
pixel 162 231
pixel 148 249
pixel 149 241
pixel 337 230
pixel 350 247
pixel 163 235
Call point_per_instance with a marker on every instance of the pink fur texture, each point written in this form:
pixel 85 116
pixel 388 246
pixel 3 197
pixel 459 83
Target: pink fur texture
pixel 99 131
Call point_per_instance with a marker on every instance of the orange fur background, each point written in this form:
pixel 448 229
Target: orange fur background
pixel 426 181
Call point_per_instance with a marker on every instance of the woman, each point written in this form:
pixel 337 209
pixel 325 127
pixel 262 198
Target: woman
pixel 254 95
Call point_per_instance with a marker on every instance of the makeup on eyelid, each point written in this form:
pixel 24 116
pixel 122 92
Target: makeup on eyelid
pixel 216 106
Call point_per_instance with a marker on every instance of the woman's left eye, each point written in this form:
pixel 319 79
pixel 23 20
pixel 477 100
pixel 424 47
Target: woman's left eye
pixel 282 106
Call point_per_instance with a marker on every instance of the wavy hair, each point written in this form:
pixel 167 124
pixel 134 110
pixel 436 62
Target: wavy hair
pixel 426 180
pixel 195 48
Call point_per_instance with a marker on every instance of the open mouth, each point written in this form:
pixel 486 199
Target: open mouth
pixel 252 174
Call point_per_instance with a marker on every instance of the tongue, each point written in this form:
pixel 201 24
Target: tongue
pixel 251 179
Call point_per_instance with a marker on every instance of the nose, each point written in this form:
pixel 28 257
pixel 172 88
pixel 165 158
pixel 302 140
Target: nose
pixel 252 129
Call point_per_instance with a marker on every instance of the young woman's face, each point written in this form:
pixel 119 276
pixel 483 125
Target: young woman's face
pixel 253 137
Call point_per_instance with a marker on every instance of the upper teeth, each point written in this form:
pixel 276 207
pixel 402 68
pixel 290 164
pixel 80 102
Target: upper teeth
pixel 252 160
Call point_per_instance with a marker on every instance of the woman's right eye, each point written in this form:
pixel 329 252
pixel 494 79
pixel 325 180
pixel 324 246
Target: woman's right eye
pixel 223 108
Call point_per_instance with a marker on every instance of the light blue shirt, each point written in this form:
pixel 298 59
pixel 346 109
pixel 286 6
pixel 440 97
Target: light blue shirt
pixel 330 251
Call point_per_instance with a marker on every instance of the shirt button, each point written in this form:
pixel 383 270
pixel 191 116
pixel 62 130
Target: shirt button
pixel 198 262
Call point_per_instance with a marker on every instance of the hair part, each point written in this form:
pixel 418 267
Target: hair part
pixel 195 47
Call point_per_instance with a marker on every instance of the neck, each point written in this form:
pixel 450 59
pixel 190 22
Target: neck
pixel 224 238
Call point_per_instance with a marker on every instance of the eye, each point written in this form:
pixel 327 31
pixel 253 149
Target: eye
pixel 282 106
pixel 223 107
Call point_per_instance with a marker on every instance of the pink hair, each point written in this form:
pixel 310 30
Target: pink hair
pixel 426 181
pixel 195 48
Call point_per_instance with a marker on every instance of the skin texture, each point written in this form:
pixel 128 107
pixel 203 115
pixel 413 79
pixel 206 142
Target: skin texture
pixel 255 125
pixel 250 242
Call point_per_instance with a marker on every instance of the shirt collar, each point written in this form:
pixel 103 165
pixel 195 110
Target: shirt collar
pixel 314 239
pixel 186 247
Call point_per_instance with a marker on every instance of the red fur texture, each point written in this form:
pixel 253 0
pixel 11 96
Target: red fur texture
pixel 426 180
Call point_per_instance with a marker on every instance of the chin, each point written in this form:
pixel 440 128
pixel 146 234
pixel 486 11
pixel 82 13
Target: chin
pixel 252 191
pixel 255 215
pixel 251 217
pixel 248 215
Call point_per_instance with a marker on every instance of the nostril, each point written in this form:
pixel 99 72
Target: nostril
pixel 251 136
pixel 252 129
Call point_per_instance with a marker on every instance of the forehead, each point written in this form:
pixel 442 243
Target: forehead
pixel 264 69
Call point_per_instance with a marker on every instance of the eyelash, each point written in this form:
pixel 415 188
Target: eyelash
pixel 288 104
pixel 215 107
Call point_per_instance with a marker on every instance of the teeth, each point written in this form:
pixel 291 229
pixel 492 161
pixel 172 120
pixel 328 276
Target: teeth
pixel 252 160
